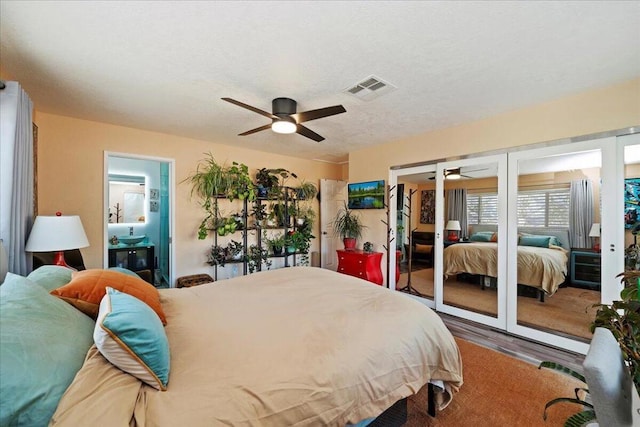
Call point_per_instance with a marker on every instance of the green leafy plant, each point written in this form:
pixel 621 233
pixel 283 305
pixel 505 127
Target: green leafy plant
pixel 622 318
pixel 256 257
pixel 272 179
pixel 581 418
pixel 217 255
pixel 234 250
pixel 276 243
pixel 239 183
pixel 212 180
pixel 347 224
pixel 306 191
pixel 229 225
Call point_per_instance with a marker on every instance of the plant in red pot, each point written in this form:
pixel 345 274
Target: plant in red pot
pixel 348 225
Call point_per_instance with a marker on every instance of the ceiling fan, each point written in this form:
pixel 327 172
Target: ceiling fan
pixel 285 119
pixel 455 173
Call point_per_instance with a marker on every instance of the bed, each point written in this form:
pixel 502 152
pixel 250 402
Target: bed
pixel 298 346
pixel 542 263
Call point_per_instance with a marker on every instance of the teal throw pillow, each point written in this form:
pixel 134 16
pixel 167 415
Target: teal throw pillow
pixel 51 277
pixel 130 335
pixel 44 342
pixel 536 241
pixel 481 237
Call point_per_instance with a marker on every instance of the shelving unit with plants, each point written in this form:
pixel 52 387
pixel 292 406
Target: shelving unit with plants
pixel 267 214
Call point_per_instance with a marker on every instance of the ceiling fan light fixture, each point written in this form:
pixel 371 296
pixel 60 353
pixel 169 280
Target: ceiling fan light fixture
pixel 284 125
pixel 452 174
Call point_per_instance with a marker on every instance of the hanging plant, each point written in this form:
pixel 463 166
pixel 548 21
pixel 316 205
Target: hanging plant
pixel 212 180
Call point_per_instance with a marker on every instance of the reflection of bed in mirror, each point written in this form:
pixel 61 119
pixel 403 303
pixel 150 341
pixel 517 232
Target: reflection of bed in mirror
pixel 542 262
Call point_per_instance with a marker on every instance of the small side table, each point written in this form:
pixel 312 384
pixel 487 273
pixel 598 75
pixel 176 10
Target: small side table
pixel 585 268
pixel 361 264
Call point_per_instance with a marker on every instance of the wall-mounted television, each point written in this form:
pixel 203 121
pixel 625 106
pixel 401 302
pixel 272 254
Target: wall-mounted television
pixel 366 195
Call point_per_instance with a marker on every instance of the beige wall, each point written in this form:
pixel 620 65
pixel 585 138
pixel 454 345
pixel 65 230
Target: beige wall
pixel 71 171
pixel 599 110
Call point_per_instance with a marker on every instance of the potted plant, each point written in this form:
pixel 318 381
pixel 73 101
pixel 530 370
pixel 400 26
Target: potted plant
pixel 256 256
pixel 306 191
pixel 268 181
pixel 239 183
pixel 265 181
pixel 207 182
pixel 234 250
pixel 348 225
pixel 217 255
pixel 259 213
pixel 212 180
pixel 276 244
pixel 622 318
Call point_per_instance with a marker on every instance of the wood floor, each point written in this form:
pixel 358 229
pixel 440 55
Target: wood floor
pixel 558 313
pixel 569 312
pixel 520 348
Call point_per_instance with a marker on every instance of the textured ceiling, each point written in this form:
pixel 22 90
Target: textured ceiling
pixel 164 66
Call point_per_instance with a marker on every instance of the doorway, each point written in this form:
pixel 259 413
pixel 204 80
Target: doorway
pixel 138 220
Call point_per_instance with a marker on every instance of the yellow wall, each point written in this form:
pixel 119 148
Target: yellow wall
pixel 599 110
pixel 71 171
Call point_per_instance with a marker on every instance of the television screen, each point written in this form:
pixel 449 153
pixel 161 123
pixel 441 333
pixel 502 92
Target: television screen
pixel 366 195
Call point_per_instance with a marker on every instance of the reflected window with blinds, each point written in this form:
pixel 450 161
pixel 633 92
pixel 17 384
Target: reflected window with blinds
pixel 482 208
pixel 544 208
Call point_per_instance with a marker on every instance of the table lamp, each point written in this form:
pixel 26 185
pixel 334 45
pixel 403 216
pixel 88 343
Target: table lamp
pixel 57 233
pixel 453 226
pixel 595 232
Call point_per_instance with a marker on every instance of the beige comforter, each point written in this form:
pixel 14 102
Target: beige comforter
pixel 542 268
pixel 298 346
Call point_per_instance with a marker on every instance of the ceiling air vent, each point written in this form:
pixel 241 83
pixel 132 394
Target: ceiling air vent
pixel 370 88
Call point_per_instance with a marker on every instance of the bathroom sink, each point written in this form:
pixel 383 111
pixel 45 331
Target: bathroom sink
pixel 131 240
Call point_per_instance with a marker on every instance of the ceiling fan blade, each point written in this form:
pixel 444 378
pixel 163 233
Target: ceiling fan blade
pixel 306 116
pixel 249 107
pixel 249 132
pixel 305 131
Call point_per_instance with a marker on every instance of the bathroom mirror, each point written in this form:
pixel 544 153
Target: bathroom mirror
pixel 126 199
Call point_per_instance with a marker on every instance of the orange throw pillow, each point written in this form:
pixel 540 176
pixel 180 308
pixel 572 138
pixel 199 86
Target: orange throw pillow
pixel 87 287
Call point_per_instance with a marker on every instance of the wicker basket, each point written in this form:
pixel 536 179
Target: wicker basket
pixel 193 280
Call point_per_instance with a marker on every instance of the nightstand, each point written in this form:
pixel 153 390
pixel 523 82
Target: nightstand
pixel 585 268
pixel 361 264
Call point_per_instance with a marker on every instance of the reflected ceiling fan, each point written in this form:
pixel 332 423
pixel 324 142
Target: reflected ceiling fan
pixel 456 173
pixel 285 119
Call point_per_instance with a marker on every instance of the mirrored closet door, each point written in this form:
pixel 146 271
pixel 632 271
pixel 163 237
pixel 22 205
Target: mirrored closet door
pixel 414 200
pixel 471 239
pixel 558 221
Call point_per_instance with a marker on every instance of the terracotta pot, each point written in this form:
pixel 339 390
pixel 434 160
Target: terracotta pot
pixel 349 243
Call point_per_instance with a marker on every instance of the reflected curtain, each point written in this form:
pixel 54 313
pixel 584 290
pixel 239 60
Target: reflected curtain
pixel 457 209
pixel 580 213
pixel 16 175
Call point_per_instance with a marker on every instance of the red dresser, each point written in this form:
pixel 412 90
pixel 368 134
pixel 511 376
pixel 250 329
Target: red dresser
pixel 361 264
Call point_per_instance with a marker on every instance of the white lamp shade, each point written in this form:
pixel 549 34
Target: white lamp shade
pixel 595 230
pixel 453 224
pixel 56 233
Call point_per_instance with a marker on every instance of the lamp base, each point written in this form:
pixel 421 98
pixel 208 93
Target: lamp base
pixel 59 260
pixel 452 237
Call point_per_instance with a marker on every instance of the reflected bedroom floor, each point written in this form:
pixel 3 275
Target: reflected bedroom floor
pixel 568 312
